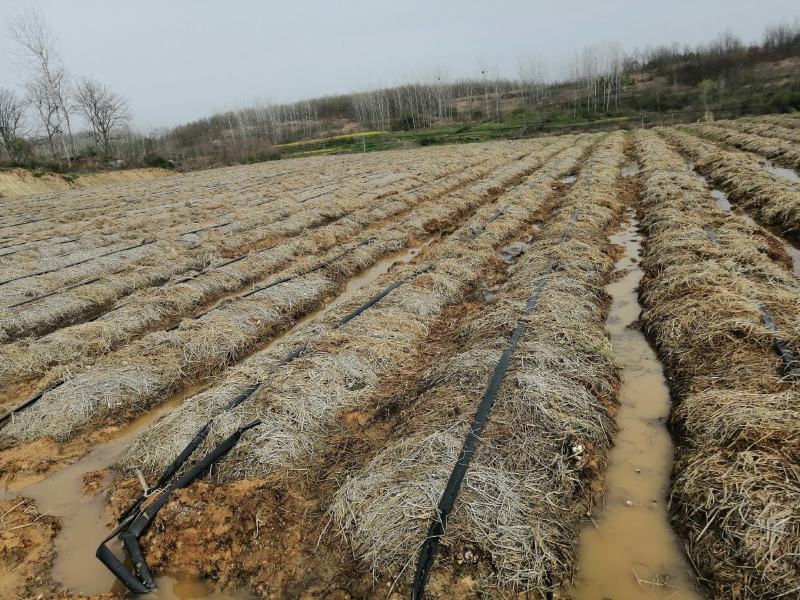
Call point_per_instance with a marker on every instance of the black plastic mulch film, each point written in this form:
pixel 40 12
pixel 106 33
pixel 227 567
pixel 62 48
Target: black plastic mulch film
pixel 438 524
pixel 135 520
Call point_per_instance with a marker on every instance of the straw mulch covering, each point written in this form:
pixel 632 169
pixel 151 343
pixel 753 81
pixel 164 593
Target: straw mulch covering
pixel 763 129
pixel 151 309
pixel 134 377
pixel 789 121
pixel 780 150
pixel 287 222
pixel 342 366
pixel 529 486
pixel 773 198
pixel 736 494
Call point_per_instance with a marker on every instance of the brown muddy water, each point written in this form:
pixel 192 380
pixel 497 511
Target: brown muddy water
pixel 629 551
pixel 83 516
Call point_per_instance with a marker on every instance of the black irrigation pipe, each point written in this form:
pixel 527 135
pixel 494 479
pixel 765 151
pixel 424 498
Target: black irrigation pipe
pixel 377 297
pixel 66 289
pixel 103 314
pixel 319 266
pixel 313 269
pixel 19 223
pixel 438 526
pixel 224 263
pixel 206 228
pixel 135 520
pixel 790 363
pixel 33 399
pixel 313 197
pixel 67 241
pixel 80 262
pixel 499 213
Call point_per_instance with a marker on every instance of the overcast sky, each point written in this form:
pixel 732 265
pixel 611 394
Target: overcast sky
pixel 178 60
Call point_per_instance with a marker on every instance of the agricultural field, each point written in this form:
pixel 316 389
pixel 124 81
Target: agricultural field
pixel 560 367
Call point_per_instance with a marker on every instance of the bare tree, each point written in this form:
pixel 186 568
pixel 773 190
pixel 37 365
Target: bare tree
pixel 48 109
pixel 104 110
pixel 30 31
pixel 532 75
pixel 12 118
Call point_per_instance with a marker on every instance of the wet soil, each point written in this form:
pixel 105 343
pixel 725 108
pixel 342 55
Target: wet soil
pixel 629 551
pixel 71 480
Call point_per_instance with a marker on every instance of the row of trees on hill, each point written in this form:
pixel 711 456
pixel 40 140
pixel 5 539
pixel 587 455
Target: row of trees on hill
pixel 44 115
pixel 593 82
pixel 596 81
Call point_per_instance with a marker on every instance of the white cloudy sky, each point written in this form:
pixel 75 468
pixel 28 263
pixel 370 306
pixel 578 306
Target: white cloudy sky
pixel 177 60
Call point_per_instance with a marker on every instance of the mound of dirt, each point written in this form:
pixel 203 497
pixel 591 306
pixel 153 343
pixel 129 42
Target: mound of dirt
pixel 21 182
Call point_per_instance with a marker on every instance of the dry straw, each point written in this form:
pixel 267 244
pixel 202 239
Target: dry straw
pixel 771 130
pixel 159 308
pixel 289 221
pixel 554 400
pixel 167 361
pixel 344 366
pixel 743 178
pixel 775 148
pixel 736 493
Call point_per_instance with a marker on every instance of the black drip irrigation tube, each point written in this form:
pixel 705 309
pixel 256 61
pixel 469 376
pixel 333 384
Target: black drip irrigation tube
pixel 438 526
pixel 205 228
pixel 53 293
pixel 108 312
pixel 47 239
pixel 313 269
pixel 23 405
pixel 135 520
pixel 790 363
pixel 23 223
pixel 80 262
pixel 476 232
pixel 224 263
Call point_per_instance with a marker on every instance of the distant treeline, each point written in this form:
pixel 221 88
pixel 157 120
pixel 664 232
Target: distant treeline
pixel 599 81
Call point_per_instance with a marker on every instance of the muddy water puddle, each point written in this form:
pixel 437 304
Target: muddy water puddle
pixel 629 551
pixel 381 267
pixel 65 494
pixel 780 171
pixel 630 170
pixel 721 198
pixel 83 515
